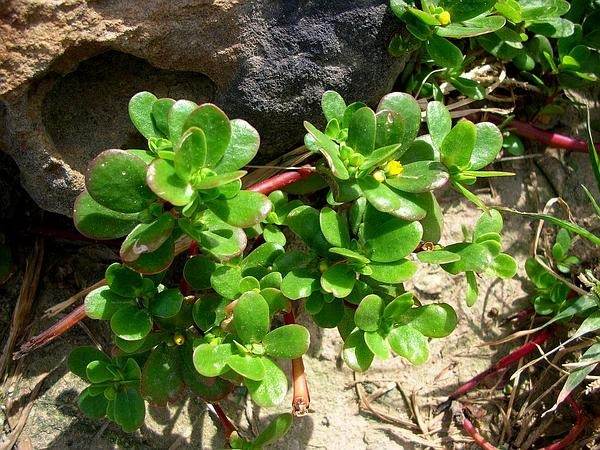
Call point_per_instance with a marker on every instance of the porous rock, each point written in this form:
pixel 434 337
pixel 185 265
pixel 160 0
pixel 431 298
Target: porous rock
pixel 68 68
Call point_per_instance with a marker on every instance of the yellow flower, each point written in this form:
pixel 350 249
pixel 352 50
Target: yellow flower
pixel 179 339
pixel 394 168
pixel 444 18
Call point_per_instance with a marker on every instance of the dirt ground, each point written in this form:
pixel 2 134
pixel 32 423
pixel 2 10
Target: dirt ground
pixel 336 420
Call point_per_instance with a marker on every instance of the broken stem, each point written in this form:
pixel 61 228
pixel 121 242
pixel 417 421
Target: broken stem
pixel 301 394
pixel 503 363
pixel 56 330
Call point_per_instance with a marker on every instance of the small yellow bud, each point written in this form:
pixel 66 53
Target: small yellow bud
pixel 323 266
pixel 179 339
pixel 444 18
pixel 379 175
pixel 394 168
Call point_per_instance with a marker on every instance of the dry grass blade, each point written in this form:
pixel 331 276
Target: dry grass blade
pixel 291 159
pixel 22 311
pixel 60 307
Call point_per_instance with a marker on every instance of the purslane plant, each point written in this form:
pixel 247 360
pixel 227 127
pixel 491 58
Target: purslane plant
pixel 222 325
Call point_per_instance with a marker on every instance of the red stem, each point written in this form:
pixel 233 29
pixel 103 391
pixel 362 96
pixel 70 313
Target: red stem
pixel 503 363
pixel 301 394
pixel 228 427
pixel 56 330
pixel 477 438
pixel 281 180
pixel 575 431
pixel 548 137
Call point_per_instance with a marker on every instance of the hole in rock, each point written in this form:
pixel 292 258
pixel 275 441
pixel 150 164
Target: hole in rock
pixel 85 111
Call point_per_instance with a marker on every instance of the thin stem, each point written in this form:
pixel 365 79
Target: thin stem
pixel 228 427
pixel 550 138
pixel 477 438
pixel 575 431
pixel 301 394
pixel 281 180
pixel 56 330
pixel 503 363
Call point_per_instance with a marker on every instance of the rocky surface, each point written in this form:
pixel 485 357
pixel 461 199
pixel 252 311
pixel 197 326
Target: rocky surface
pixel 68 68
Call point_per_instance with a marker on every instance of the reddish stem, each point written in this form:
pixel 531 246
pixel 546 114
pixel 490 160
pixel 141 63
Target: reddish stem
pixel 281 180
pixel 301 394
pixel 575 431
pixel 503 363
pixel 548 137
pixel 59 328
pixel 228 427
pixel 477 438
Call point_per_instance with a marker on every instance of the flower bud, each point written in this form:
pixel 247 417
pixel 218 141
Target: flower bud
pixel 379 175
pixel 444 18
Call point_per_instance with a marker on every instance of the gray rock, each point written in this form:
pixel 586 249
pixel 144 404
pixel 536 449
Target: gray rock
pixel 68 68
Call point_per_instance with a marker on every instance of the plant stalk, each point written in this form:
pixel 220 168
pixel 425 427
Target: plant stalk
pixel 228 427
pixel 56 330
pixel 301 394
pixel 575 431
pixel 503 363
pixel 549 138
pixel 477 438
pixel 281 180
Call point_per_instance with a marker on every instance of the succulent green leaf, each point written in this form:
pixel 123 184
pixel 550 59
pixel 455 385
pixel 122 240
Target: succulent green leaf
pixel 161 376
pixel 338 280
pixel 131 323
pixel 410 344
pixel 369 313
pixel 361 131
pixel 436 320
pixel 164 182
pixel 356 353
pixel 350 255
pixel 102 303
pixel 93 406
pixel 490 221
pixel 276 429
pixel 433 222
pixel 273 235
pixel 299 283
pixel 197 271
pixel 386 200
pixel 330 314
pixel 461 10
pixel 468 87
pixel 505 266
pixel 80 357
pixel 378 344
pixel 225 280
pixel 271 390
pixel 244 210
pixel 251 317
pixel 217 130
pixel 147 238
pixel 397 307
pixel 395 272
pixel 474 27
pixel 124 281
pixel 457 146
pixel 334 227
pixel 242 147
pixel 333 105
pixel 178 115
pixel 389 238
pixel 330 151
pixel 156 261
pixel 390 129
pixel 439 122
pixel 420 176
pixel 97 222
pixel 289 341
pixel 190 153
pixel 223 244
pixel 444 53
pixel 160 114
pixel 437 257
pixel 140 113
pixel 248 366
pixel 304 221
pixel 473 257
pixel 487 145
pixel 166 303
pixel 472 288
pixel 129 409
pixel 407 107
pixel 116 179
pixel 211 360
